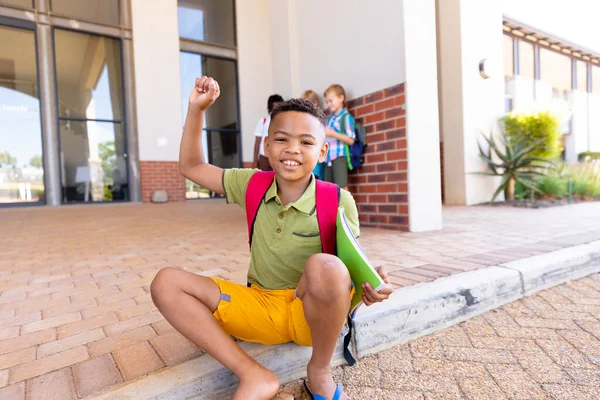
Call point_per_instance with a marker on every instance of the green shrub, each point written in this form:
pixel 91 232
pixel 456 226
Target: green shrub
pixel 591 154
pixel 586 179
pixel 554 186
pixel 537 126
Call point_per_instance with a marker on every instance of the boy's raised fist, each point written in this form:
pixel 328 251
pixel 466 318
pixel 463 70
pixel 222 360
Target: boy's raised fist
pixel 206 91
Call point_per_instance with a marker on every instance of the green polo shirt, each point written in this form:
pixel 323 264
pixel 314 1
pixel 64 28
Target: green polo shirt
pixel 284 236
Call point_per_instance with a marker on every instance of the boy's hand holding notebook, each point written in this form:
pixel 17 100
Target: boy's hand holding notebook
pixel 361 270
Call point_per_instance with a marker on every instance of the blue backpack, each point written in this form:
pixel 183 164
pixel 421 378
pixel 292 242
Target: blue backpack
pixel 354 153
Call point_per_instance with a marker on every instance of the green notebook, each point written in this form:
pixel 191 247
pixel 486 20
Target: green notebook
pixel 349 251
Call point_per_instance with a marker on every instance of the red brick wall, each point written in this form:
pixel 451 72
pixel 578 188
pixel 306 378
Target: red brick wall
pixel 162 175
pixel 380 185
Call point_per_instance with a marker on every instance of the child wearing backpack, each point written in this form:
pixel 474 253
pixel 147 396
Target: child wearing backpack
pixel 340 134
pixel 313 97
pixel 296 291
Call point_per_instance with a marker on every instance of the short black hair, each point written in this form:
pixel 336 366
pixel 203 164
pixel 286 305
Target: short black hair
pixel 299 105
pixel 273 99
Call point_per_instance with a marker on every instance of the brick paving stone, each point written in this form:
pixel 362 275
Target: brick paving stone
pixel 38 304
pixel 17 357
pixel 477 326
pixel 133 323
pixel 13 392
pixel 3 378
pixel 134 311
pixel 51 322
pixel 515 382
pixel 57 385
pixel 585 343
pixel 88 294
pixel 500 319
pixel 86 325
pixel 564 392
pixel 588 377
pixel 411 381
pixel 76 291
pixel 107 308
pixel 540 367
pixel 125 339
pixel 124 294
pixel 527 333
pixel 496 342
pixel 545 322
pixel 426 347
pixel 483 388
pixel 70 342
pixel 95 375
pixel 450 368
pixel 20 320
pixel 137 360
pixel 11 332
pixel 454 336
pixel 68 308
pixel 479 355
pixel 48 364
pixel 564 354
pixel 27 340
pixel 174 348
pixel 364 375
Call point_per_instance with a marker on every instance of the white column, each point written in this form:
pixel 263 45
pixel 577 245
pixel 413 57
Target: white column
pixel 469 31
pixel 578 140
pixel 157 86
pixel 255 70
pixel 422 126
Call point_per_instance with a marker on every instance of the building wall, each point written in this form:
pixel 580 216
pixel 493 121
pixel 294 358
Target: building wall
pixel 380 185
pixel 575 21
pixel 337 41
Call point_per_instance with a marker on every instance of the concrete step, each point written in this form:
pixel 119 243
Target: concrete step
pixel 410 312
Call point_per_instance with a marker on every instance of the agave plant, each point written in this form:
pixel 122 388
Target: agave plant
pixel 514 163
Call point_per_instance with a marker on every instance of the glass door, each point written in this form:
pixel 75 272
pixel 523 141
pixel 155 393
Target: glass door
pixel 21 153
pixel 221 138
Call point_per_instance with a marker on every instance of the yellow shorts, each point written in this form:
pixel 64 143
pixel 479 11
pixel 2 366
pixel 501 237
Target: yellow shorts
pixel 262 316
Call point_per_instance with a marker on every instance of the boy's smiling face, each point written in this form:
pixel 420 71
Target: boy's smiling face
pixel 295 144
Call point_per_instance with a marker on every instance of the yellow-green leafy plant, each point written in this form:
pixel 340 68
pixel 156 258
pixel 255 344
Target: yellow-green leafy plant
pixel 537 126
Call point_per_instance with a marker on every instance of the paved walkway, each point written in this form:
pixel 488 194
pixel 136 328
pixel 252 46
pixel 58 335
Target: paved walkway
pixel 75 308
pixel 546 346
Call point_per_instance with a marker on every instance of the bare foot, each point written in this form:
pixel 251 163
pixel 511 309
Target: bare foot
pixel 258 384
pixel 320 381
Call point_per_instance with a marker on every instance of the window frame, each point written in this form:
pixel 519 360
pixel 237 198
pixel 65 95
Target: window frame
pixel 123 122
pixel 31 26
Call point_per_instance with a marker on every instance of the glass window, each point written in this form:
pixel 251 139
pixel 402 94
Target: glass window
pixel 221 137
pixel 21 166
pixel 595 79
pixel 555 69
pixel 93 161
pixel 581 75
pixel 207 20
pixel 100 11
pixel 526 60
pixel 508 56
pixel 90 110
pixel 20 3
pixel 88 70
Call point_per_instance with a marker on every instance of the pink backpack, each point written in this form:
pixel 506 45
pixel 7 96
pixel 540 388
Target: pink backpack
pixel 327 200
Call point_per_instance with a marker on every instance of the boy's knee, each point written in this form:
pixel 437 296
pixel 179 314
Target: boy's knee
pixel 163 282
pixel 326 273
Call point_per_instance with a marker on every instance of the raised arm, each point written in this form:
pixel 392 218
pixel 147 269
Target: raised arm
pixel 191 155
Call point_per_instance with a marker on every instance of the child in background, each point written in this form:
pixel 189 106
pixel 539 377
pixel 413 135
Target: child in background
pixel 261 132
pixel 313 97
pixel 336 164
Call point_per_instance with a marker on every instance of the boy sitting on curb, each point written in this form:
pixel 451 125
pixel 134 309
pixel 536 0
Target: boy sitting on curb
pixel 297 293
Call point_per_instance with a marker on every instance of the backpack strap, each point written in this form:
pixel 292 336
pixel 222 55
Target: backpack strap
pixel 257 188
pixel 327 199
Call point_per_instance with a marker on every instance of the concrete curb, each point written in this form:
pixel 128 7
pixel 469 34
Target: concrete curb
pixel 410 312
